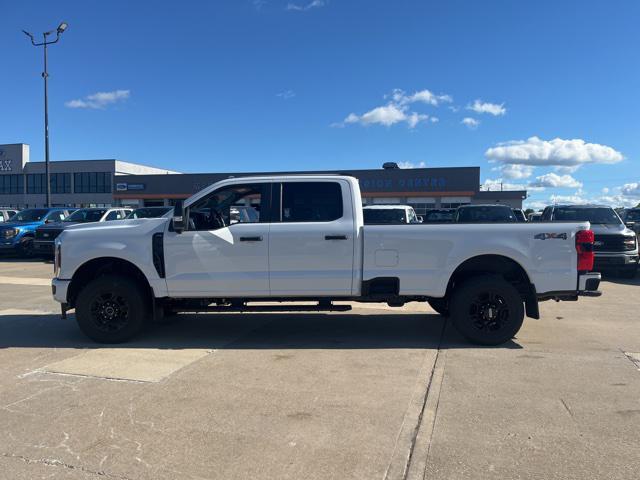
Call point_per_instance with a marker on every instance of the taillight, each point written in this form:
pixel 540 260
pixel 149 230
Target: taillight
pixel 584 247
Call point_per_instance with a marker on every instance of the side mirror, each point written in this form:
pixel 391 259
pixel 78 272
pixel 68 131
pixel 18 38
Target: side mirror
pixel 177 221
pixel 630 224
pixel 420 219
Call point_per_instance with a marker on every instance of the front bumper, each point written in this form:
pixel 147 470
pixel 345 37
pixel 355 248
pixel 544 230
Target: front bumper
pixel 612 261
pixel 43 246
pixel 8 244
pixel 59 289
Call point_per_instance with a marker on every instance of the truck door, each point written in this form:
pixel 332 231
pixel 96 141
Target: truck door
pixel 222 253
pixel 311 241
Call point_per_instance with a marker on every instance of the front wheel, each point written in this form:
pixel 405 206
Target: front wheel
pixel 111 309
pixel 487 310
pixel 25 248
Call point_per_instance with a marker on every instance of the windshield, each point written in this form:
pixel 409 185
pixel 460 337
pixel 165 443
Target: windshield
pixel 597 215
pixel 395 215
pixel 486 214
pixel 438 216
pixel 148 212
pixel 633 216
pixel 85 216
pixel 30 215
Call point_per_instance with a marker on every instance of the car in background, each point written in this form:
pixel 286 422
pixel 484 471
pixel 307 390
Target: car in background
pixel 519 214
pixel 615 246
pixel 389 214
pixel 46 234
pixel 17 235
pixel 6 214
pixel 439 215
pixel 631 218
pixel 485 214
pixel 149 212
pixel 535 217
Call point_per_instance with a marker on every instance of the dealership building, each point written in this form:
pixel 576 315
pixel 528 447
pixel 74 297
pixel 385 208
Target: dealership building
pixel 80 183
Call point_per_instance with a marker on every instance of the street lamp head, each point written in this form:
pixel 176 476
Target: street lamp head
pixel 27 34
pixel 62 27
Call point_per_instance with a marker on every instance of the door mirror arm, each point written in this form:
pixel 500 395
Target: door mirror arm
pixel 177 221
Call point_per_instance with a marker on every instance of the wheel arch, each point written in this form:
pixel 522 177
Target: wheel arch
pixel 491 264
pixel 97 267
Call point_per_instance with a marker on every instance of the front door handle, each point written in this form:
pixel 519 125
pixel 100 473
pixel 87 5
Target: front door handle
pixel 250 239
pixel 335 237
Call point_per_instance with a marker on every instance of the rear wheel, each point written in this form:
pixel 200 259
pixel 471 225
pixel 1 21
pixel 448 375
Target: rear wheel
pixel 487 310
pixel 440 305
pixel 111 309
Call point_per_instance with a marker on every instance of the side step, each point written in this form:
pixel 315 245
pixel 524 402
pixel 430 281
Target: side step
pixel 241 307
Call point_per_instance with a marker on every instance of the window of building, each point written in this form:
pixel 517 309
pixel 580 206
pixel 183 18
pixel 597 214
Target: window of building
pixel 11 184
pixel 36 183
pixel 311 202
pixel 92 182
pixel 60 182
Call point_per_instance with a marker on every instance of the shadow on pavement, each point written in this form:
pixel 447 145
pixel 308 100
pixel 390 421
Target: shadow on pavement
pixel 250 331
pixel 621 281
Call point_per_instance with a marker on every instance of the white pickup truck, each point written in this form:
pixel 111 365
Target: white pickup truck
pixel 305 240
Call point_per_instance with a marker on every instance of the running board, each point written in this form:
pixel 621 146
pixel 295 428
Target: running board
pixel 268 308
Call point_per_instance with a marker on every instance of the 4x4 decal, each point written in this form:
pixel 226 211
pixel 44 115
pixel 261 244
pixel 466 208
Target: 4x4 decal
pixel 545 236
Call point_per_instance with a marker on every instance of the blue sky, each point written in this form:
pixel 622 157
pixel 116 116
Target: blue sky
pixel 549 89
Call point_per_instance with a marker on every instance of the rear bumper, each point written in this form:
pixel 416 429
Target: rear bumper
pixel 59 289
pixel 588 284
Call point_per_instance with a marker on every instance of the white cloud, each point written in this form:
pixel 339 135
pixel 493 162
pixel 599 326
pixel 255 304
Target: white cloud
pixel 631 189
pixel 423 96
pixel 516 172
pixel 556 152
pixel 412 165
pixel 485 107
pixel 386 115
pixel 472 123
pixel 301 8
pixel 99 100
pixel 570 199
pixel 497 184
pixel 286 95
pixel 605 190
pixel 553 180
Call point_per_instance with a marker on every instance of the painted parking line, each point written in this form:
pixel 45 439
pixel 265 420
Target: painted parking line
pixel 25 281
pixel 137 364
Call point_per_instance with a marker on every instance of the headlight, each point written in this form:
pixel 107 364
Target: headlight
pixel 630 243
pixel 10 232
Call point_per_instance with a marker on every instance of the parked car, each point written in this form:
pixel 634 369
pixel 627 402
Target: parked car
pixel 310 243
pixel 535 217
pixel 17 235
pixel 520 216
pixel 6 214
pixel 389 214
pixel 148 212
pixel 485 214
pixel 46 234
pixel 440 215
pixel 632 219
pixel 615 245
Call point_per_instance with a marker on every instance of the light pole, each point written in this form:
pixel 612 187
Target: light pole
pixel 61 28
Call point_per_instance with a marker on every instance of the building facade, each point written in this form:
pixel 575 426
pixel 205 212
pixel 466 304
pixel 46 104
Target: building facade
pixel 74 183
pixel 422 188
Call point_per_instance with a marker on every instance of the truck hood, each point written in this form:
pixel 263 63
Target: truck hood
pixel 56 225
pixel 620 229
pixel 26 225
pixel 115 228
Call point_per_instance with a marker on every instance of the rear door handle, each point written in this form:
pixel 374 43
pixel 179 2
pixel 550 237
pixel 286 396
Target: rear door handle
pixel 335 237
pixel 250 239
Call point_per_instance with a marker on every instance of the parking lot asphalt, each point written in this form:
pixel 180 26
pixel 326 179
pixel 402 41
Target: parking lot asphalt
pixel 374 393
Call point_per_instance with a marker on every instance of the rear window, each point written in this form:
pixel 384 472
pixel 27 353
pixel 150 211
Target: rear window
pixel 387 215
pixel 311 202
pixel 438 216
pixel 486 214
pixel 597 215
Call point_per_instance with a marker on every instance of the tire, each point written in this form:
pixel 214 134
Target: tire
pixel 25 248
pixel 111 309
pixel 487 310
pixel 440 305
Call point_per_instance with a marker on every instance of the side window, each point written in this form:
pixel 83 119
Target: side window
pixel 112 215
pixel 311 202
pixel 229 205
pixel 57 216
